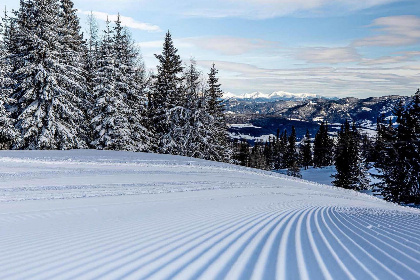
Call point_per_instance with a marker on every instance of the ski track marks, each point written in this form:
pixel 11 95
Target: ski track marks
pixel 163 217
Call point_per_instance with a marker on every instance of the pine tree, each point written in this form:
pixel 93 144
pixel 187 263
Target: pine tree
pixel 47 109
pixel 188 132
pixel 306 151
pixel 130 84
pixel 282 156
pixel 215 108
pixel 167 94
pixel 323 147
pixel 196 131
pixel 399 155
pixel 348 162
pixel 91 54
pixel 111 127
pixel 242 155
pixel 292 156
pixel 257 158
pixel 8 134
pixel 72 54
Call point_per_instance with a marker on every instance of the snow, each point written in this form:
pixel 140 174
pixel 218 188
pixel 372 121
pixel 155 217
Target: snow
pixel 262 138
pixel 255 95
pixel 273 95
pixel 243 125
pixel 110 215
pixel 284 94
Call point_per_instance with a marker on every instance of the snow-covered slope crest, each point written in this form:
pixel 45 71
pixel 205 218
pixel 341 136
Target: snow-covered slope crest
pixel 101 214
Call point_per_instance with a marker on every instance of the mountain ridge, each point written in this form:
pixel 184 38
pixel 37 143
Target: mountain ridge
pixel 276 95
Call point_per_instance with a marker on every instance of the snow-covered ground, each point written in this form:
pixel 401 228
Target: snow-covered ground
pixel 112 215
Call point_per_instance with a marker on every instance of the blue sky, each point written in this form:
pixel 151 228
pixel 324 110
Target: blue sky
pixel 328 47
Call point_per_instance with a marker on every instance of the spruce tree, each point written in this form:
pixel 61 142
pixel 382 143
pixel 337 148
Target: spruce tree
pixel 215 108
pixel 167 94
pixel 110 124
pixel 282 148
pixel 306 151
pixel 399 155
pixel 8 134
pixel 91 54
pixel 72 53
pixel 196 132
pixel 130 84
pixel 323 147
pixel 292 155
pixel 257 158
pixel 242 155
pixel 48 110
pixel 187 123
pixel 348 161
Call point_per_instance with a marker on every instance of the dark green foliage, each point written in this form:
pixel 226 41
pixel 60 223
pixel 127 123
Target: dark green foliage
pixel 323 147
pixel 242 153
pixel 167 87
pixel 398 149
pixel 348 161
pixel 306 151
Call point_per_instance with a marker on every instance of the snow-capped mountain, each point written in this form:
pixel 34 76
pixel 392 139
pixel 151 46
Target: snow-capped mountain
pixel 277 95
pixel 269 115
pixel 289 95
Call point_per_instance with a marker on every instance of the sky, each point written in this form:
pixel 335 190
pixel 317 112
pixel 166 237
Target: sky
pixel 333 48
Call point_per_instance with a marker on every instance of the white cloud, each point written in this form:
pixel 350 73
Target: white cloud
pixel 403 57
pixel 226 45
pixel 260 9
pixel 394 31
pixel 328 81
pixel 126 21
pixel 328 55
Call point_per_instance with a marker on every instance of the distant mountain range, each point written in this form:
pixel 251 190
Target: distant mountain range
pixel 262 116
pixel 277 95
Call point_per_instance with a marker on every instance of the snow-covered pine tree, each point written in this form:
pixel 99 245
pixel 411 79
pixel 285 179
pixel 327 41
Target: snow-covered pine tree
pixel 166 96
pixel 195 132
pixel 8 134
pixel 215 108
pixel 348 162
pixel 306 151
pixel 130 78
pixel 72 53
pixel 110 124
pixel 47 110
pixel 90 56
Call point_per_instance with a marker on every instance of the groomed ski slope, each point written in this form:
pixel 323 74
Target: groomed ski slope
pixel 118 215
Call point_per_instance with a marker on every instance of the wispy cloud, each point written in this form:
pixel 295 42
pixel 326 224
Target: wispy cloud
pixel 328 81
pixel 331 55
pixel 394 31
pixel 262 9
pixel 403 57
pixel 126 21
pixel 226 45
